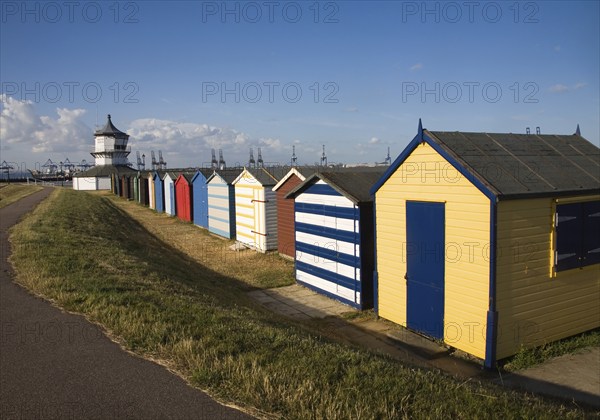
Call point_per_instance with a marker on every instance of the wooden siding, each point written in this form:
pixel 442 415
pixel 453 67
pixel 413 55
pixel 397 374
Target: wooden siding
pixel 151 196
pixel 159 191
pixel 200 207
pixel 427 176
pixel 184 202
pixel 255 214
pixel 536 305
pixel 129 189
pixel 169 192
pixel 221 208
pixel 285 217
pixel 135 187
pixel 143 187
pixel 328 244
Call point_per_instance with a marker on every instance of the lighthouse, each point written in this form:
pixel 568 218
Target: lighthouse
pixel 111 145
pixel 110 153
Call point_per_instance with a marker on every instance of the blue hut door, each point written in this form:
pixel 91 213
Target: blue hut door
pixel 425 267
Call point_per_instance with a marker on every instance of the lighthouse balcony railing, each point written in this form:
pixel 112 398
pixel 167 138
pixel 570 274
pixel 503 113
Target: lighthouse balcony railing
pixel 115 149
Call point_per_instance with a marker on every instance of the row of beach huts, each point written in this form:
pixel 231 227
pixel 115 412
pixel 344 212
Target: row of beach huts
pixel 489 242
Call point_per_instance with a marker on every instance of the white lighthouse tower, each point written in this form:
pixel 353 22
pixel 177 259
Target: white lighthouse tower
pixel 110 153
pixel 111 146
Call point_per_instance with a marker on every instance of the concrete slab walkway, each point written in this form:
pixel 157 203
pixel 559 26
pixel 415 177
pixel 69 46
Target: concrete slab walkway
pixel 298 302
pixel 571 377
pixel 301 303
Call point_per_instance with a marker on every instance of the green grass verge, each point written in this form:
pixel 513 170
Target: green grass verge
pixel 529 357
pixel 88 256
pixel 252 268
pixel 14 192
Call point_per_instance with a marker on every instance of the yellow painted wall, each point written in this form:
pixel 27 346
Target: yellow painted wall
pixel 536 305
pixel 426 176
pixel 250 212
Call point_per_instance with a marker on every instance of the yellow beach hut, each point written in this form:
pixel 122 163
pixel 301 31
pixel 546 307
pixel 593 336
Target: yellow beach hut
pixel 490 242
pixel 256 209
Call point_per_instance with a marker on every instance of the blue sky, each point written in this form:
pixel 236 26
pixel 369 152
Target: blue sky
pixel 355 76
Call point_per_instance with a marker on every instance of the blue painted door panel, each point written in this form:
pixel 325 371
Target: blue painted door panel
pixel 425 267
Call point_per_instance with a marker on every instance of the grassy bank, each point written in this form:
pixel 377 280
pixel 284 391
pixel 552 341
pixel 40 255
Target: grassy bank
pixel 255 269
pixel 161 303
pixel 14 192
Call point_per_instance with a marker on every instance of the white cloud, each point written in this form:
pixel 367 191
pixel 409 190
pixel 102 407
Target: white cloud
pixel 416 67
pixel 373 140
pixel 189 144
pixel 560 88
pixel 21 128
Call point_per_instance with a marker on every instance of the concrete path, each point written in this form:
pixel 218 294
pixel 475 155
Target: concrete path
pixel 299 302
pixel 571 377
pixel 384 337
pixel 58 365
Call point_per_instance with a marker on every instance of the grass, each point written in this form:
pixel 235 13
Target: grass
pixel 255 269
pixel 85 253
pixel 13 192
pixel 529 357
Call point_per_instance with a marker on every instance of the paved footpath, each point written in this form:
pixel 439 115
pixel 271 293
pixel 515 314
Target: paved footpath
pixel 55 365
pixel 570 377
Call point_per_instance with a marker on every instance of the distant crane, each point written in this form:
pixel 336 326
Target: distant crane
pixel 6 167
pixel 323 157
pixel 260 162
pixel 294 161
pixel 141 161
pixel 154 162
pixel 387 161
pixel 50 166
pixel 83 165
pixel 221 160
pixel 213 162
pixel 251 161
pixel 161 162
pixel 68 166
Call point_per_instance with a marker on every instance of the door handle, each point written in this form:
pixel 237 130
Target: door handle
pixel 405 276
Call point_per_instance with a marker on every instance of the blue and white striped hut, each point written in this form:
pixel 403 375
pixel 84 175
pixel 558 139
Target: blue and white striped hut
pixel 333 213
pixel 169 192
pixel 221 202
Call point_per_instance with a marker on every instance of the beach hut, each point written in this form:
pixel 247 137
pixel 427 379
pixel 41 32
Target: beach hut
pixel 200 205
pixel 115 184
pixel 490 242
pixel 125 182
pixel 122 188
pixel 221 202
pixel 333 213
pixel 151 194
pixel 184 197
pixel 142 180
pixel 169 192
pixel 134 187
pixel 285 207
pixel 159 192
pixel 256 209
